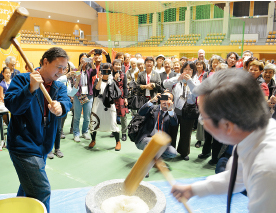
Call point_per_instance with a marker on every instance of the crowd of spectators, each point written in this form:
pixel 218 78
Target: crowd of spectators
pixel 102 91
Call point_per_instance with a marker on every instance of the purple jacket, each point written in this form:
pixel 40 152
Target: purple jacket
pixel 90 73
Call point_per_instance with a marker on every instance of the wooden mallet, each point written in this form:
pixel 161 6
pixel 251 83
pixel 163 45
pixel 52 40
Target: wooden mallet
pixel 168 176
pixel 8 35
pixel 154 149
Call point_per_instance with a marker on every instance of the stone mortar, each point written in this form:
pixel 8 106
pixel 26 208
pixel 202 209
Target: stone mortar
pixel 149 193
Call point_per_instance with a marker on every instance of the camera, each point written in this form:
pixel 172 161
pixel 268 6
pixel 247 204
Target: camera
pixel 98 51
pixel 164 98
pixel 87 60
pixel 106 72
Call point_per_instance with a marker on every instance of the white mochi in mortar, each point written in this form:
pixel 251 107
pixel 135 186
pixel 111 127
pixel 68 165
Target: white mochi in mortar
pixel 124 204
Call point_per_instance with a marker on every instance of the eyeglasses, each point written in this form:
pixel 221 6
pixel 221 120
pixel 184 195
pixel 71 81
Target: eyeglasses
pixel 188 70
pixel 201 119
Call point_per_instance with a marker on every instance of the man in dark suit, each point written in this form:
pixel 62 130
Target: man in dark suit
pixel 158 118
pixel 168 73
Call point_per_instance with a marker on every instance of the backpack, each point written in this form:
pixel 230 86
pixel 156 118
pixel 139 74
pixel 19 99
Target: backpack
pixel 135 99
pixel 137 123
pixel 134 126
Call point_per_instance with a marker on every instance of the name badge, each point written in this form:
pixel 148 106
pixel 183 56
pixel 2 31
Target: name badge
pixel 84 90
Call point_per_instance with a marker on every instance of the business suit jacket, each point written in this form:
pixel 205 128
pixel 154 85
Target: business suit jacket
pixel 163 77
pixel 155 78
pixel 151 116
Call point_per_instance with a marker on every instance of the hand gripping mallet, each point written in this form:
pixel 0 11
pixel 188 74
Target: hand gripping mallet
pixel 8 35
pixel 154 149
pixel 166 173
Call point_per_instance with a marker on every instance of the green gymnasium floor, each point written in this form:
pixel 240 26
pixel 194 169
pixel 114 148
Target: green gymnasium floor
pixel 84 167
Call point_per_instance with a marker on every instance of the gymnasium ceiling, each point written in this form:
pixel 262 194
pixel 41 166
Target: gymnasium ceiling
pixel 144 7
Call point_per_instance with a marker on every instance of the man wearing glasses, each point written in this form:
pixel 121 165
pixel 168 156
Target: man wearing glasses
pixel 33 126
pixel 244 122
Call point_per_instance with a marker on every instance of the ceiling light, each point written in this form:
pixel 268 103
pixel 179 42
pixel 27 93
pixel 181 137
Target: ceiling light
pixel 78 20
pixel 49 16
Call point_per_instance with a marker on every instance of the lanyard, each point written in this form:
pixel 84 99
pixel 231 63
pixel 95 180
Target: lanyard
pixel 158 121
pixel 83 78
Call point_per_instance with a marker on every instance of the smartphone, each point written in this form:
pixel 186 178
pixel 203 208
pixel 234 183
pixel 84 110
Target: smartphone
pixel 88 60
pixel 164 97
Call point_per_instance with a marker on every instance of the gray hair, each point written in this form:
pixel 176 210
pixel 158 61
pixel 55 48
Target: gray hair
pixel 8 59
pixel 201 50
pixel 270 67
pixel 140 60
pixel 248 51
pixel 215 57
pixel 126 55
pixel 234 95
pixel 133 59
pixel 221 66
pixel 167 60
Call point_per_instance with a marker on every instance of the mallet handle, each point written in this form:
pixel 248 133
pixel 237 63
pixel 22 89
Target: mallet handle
pixel 155 147
pixel 168 176
pixel 17 46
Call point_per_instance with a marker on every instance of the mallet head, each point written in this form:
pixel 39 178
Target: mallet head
pixel 13 26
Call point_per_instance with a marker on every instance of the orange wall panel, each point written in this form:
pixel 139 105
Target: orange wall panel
pixel 251 10
pixel 119 24
pixel 49 25
pixel 102 26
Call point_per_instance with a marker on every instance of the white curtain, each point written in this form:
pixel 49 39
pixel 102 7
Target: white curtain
pixel 205 27
pixel 252 26
pixel 159 31
pixel 144 32
pixel 150 30
pixel 180 28
pixel 171 28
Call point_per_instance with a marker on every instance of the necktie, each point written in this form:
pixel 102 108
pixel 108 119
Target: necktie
pixel 148 79
pixel 160 117
pixel 232 179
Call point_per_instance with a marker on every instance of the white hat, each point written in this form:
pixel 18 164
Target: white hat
pixel 160 56
pixel 72 65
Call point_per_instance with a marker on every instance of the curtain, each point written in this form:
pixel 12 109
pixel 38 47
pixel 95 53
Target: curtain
pixel 252 26
pixel 205 27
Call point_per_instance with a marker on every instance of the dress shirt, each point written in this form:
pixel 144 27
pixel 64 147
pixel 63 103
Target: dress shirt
pixel 199 77
pixel 256 171
pixel 171 112
pixel 162 69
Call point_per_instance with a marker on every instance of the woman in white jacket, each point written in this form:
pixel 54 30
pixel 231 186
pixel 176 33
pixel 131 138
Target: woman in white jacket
pixel 186 109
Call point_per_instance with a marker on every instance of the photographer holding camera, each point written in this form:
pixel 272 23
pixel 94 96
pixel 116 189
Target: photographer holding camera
pixel 157 118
